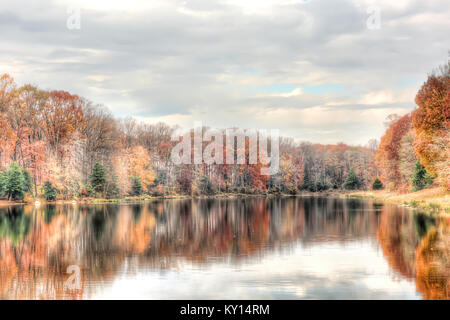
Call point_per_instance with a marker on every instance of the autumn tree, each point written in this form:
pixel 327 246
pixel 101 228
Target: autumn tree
pixel 407 159
pixel 101 137
pixel 140 166
pixel 62 114
pixel 388 154
pixel 431 120
pixel 8 141
pixel 441 148
pixel 22 114
pixel 291 173
pixel 7 87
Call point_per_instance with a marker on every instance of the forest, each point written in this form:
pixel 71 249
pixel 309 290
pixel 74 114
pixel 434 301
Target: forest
pixel 59 146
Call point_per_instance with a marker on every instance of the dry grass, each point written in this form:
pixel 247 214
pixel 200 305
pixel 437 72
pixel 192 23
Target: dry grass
pixel 437 199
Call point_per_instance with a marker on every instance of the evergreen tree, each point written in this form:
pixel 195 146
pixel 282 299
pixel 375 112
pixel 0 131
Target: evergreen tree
pixel 421 178
pixel 28 184
pixel 98 178
pixel 351 182
pixel 2 184
pixel 377 184
pixel 136 186
pixel 15 183
pixel 49 191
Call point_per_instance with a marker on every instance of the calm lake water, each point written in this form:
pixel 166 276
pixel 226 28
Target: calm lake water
pixel 258 248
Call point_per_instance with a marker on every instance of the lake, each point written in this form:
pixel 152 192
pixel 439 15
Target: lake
pixel 252 248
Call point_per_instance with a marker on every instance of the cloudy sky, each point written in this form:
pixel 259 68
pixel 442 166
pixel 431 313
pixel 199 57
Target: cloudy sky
pixel 318 70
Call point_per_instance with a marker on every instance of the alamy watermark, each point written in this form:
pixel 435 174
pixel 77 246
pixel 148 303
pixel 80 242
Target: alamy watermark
pixel 238 147
pixel 74 280
pixel 374 20
pixel 74 19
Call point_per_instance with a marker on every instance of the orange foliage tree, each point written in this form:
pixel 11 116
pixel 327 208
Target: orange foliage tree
pixel 432 122
pixel 62 115
pixel 388 153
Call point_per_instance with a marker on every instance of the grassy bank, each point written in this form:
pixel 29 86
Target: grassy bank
pixel 434 199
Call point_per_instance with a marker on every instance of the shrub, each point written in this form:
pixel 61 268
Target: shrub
pixel 87 191
pixel 377 184
pixel 49 191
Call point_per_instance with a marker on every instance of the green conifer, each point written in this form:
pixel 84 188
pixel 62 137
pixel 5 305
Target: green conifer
pixel 352 181
pixel 15 183
pixel 421 178
pixel 377 184
pixel 98 178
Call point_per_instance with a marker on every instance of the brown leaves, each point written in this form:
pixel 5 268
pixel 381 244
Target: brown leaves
pixel 388 153
pixel 432 119
pixel 62 115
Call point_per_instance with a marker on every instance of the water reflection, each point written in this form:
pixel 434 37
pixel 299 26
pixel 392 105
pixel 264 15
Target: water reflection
pixel 251 248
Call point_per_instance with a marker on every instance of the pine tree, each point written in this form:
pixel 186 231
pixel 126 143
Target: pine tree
pixel 15 183
pixel 98 178
pixel 351 182
pixel 136 186
pixel 377 184
pixel 49 191
pixel 421 178
pixel 2 184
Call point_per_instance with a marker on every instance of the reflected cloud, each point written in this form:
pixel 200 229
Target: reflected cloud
pixel 290 248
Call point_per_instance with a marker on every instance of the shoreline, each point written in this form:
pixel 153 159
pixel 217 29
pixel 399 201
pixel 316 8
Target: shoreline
pixel 434 199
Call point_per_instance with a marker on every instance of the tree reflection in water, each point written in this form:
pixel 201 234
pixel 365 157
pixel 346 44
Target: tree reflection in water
pixel 38 244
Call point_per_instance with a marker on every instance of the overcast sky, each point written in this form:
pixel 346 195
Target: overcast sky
pixel 311 68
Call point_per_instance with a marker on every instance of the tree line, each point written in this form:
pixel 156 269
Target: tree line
pixel 61 146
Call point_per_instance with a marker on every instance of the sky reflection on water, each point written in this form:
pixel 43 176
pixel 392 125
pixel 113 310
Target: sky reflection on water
pixel 289 248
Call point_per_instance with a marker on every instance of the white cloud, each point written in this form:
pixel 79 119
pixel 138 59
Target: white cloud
pixel 388 96
pixel 210 60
